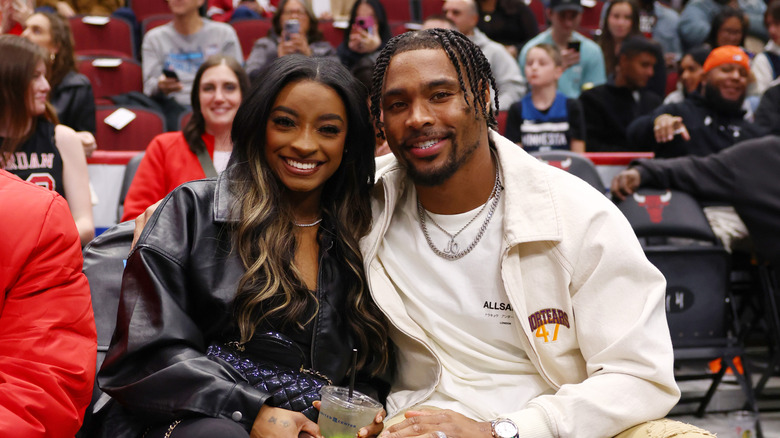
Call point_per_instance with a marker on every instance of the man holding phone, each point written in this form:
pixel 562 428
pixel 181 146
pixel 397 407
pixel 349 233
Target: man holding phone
pixel 583 61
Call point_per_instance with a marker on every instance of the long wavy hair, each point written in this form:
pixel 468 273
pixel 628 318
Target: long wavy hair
pixel 19 59
pixel 264 234
pixel 718 21
pixel 196 126
pixel 607 40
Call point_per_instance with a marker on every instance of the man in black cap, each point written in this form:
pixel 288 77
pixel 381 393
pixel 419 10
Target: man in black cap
pixel 583 61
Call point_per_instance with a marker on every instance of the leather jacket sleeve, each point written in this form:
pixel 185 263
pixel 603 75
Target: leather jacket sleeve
pixel 168 314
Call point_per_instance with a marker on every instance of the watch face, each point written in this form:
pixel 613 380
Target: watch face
pixel 505 429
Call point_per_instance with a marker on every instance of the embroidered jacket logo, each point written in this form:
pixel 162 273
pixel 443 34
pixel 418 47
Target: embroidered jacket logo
pixel 539 319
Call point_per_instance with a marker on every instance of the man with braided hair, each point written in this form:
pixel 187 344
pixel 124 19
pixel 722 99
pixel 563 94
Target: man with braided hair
pixel 520 302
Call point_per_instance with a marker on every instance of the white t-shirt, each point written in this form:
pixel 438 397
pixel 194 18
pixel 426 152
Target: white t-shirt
pixel 221 159
pixel 463 308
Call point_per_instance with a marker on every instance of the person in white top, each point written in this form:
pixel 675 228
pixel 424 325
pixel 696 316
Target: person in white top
pixel 520 302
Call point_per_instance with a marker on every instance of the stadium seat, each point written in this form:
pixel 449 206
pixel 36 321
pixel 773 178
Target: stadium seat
pixel 430 7
pixel 537 7
pixel 111 76
pixel 135 136
pixel 333 35
pixel 155 20
pixel 249 31
pixel 127 179
pixel 501 120
pixel 574 163
pixel 591 16
pixel 103 33
pixel 678 240
pixel 398 10
pixel 145 8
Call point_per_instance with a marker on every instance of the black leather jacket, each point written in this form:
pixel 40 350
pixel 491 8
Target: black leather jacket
pixel 177 291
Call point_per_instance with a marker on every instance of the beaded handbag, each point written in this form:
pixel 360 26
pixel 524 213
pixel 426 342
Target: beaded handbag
pixel 274 364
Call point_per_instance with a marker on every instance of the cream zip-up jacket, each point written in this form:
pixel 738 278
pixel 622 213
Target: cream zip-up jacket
pixel 571 265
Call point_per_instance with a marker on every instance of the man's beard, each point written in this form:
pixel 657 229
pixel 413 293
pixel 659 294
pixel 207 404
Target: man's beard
pixel 714 98
pixel 438 176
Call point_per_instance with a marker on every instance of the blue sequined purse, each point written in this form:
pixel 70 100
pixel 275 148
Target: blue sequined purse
pixel 274 364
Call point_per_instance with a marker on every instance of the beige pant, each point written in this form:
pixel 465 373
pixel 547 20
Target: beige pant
pixel 662 428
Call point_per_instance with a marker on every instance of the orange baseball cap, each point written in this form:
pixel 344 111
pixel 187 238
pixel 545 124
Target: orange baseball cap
pixel 726 55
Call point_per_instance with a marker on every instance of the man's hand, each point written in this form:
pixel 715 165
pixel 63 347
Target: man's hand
pixel 666 126
pixel 425 423
pixel 625 183
pixel 168 85
pixel 570 57
pixel 281 423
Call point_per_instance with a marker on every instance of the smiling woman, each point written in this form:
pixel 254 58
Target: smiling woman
pixel 174 158
pixel 268 249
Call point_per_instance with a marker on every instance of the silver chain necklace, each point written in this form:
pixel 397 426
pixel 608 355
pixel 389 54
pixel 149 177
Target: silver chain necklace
pixel 451 251
pixel 307 225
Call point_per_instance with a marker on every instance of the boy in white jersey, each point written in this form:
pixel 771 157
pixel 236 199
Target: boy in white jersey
pixel 520 301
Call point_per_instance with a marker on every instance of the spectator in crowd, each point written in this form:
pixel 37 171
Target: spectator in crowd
pixel 269 246
pixel 174 158
pixel 702 124
pixel 435 21
pixel 69 8
pixel 178 48
pixel 621 21
pixel 226 10
pixel 611 107
pixel 545 119
pixel 739 175
pixel 34 147
pixel 509 80
pixel 690 73
pixel 767 114
pixel 368 31
pixel 697 17
pixel 583 61
pixel 307 41
pixel 729 28
pixel 71 91
pixel 509 22
pixel 483 348
pixel 13 14
pixel 48 342
pixel 660 22
pixel 766 65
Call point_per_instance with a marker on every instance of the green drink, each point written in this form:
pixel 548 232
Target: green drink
pixel 342 417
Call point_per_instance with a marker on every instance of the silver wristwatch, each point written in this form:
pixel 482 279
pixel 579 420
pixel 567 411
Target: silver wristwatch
pixel 504 428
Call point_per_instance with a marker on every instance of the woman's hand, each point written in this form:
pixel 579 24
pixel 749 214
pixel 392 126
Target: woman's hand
pixel 280 423
pixel 372 430
pixel 361 41
pixel 295 44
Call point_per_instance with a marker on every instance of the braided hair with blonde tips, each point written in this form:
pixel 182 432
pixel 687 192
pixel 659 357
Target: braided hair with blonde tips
pixel 465 56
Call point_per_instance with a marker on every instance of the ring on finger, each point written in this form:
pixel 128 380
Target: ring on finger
pixel 440 434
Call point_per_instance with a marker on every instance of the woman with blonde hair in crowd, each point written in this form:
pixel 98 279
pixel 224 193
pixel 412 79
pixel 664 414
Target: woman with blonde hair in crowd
pixel 34 146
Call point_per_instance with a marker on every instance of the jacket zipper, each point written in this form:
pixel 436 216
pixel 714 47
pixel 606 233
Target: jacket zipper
pixel 318 294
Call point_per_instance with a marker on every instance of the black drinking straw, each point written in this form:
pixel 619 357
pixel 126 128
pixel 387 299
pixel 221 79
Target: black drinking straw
pixel 352 376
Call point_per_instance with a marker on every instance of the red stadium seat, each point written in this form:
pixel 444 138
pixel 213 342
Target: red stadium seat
pixel 431 7
pixel 145 8
pixel 135 136
pixel 333 35
pixel 537 7
pixel 249 31
pixel 591 16
pixel 501 119
pixel 111 76
pixel 153 21
pixel 398 10
pixel 103 33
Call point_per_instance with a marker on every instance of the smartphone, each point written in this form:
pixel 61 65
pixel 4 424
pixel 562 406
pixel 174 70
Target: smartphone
pixel 170 74
pixel 574 45
pixel 366 23
pixel 291 26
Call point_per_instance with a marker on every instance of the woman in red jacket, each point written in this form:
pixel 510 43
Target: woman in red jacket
pixel 172 158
